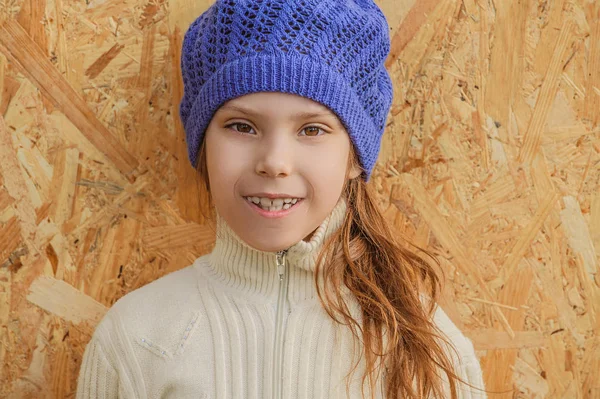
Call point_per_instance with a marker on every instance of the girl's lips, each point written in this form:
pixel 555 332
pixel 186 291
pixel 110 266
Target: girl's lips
pixel 273 214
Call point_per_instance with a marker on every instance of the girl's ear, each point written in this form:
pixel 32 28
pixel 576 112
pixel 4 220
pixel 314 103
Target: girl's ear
pixel 355 171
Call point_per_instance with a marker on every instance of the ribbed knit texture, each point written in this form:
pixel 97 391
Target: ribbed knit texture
pixel 208 331
pixel 98 377
pixel 330 51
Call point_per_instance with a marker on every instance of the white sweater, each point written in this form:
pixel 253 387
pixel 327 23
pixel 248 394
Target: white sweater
pixel 213 330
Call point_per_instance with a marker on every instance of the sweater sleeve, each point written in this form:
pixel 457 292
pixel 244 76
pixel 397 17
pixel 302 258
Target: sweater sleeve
pixel 97 377
pixel 470 371
pixel 467 365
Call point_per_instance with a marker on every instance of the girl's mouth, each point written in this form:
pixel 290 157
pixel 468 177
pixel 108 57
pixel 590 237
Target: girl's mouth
pixel 273 208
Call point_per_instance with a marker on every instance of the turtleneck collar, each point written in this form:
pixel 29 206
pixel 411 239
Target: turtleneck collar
pixel 238 267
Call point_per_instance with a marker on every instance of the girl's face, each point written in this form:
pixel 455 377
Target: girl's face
pixel 267 144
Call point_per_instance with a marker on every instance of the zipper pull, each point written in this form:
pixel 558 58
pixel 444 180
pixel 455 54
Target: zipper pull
pixel 281 263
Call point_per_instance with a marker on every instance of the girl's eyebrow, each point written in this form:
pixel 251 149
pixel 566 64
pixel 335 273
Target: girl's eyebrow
pixel 299 115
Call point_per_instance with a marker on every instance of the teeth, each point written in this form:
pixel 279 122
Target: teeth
pixel 276 204
pixel 265 202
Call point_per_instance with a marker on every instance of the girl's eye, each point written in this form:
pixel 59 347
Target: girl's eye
pixel 243 125
pixel 314 132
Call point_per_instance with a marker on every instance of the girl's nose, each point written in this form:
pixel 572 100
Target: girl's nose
pixel 275 159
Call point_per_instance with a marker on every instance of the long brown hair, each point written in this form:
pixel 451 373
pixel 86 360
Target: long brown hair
pixel 387 279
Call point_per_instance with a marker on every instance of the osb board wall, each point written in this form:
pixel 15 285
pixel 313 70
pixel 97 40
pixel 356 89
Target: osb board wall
pixel 491 160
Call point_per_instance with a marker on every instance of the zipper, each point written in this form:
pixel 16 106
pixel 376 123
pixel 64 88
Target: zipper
pixel 280 318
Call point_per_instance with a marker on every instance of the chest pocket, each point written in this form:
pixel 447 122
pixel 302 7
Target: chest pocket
pixel 168 351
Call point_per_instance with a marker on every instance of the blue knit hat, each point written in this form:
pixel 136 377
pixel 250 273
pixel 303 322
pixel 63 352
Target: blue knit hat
pixel 330 51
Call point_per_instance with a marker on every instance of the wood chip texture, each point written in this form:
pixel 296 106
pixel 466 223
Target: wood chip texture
pixel 490 160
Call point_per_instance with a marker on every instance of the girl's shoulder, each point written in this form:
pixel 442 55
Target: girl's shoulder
pixel 166 295
pixel 454 334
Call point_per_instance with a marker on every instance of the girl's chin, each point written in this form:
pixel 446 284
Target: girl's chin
pixel 273 245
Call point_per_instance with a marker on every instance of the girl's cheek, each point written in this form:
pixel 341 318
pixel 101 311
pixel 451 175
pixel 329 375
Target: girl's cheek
pixel 330 159
pixel 228 152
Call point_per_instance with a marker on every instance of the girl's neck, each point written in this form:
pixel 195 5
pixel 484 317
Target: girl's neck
pixel 236 266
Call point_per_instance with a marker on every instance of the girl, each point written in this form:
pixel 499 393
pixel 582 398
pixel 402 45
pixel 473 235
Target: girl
pixel 307 292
